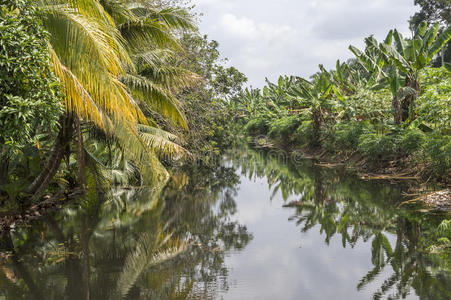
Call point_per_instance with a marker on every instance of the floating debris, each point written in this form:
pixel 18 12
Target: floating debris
pixel 440 200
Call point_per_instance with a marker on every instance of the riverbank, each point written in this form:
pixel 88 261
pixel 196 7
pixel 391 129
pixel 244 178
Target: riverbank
pixel 393 171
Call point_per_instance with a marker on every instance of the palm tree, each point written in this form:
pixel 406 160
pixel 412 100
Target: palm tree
pixel 95 47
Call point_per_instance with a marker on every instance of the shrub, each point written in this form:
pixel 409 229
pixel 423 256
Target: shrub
pixel 433 103
pixel 347 134
pixel 257 126
pixel 410 141
pixel 284 127
pixel 437 152
pixel 304 133
pixel 378 146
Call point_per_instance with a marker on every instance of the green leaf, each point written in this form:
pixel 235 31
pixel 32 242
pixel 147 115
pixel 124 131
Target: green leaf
pixel 448 66
pixel 440 42
pixel 421 29
pixel 396 58
pixel 400 43
pixel 389 39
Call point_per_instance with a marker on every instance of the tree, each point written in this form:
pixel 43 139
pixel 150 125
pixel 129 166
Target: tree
pixel 206 102
pixel 434 11
pixel 29 92
pixel 94 49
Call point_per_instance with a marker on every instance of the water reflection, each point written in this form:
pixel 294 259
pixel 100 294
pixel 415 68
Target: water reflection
pixel 222 232
pixel 111 246
pixel 346 208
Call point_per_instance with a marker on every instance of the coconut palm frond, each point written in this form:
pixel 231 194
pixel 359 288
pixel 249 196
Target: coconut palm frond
pixel 118 10
pixel 78 37
pixel 174 18
pixel 136 150
pixel 158 141
pixel 159 132
pixel 172 77
pixel 150 250
pixel 144 34
pixel 77 99
pixel 85 48
pixel 157 97
pixel 157 66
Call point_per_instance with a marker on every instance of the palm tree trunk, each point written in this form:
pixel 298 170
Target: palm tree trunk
pixel 81 157
pixel 48 172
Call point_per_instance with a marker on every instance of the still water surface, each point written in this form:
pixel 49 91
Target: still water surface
pixel 257 227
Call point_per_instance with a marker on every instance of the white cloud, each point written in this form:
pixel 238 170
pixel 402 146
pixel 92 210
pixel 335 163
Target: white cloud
pixel 265 38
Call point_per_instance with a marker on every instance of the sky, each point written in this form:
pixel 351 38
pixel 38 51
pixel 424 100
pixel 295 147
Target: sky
pixel 264 38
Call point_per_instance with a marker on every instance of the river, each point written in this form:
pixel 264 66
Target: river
pixel 258 226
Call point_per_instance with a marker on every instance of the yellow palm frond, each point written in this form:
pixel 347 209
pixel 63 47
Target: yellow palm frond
pixel 77 99
pixel 85 48
pixel 157 97
pixel 136 150
pixel 158 66
pixel 162 142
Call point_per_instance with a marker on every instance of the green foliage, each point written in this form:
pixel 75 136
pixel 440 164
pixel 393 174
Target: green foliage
pixel 434 11
pixel 304 133
pixel 347 135
pixel 434 102
pixel 437 153
pixel 410 141
pixel 257 126
pixel 284 127
pixel 378 146
pixel 206 103
pixel 29 92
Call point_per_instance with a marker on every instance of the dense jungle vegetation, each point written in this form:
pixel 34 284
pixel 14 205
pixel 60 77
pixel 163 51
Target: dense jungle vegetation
pixel 98 96
pixel 105 93
pixel 107 101
pixel 387 110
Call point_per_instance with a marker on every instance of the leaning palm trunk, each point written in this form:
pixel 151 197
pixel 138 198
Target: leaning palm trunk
pixel 59 149
pixel 81 157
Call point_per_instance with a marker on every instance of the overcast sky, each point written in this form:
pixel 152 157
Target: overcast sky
pixel 268 38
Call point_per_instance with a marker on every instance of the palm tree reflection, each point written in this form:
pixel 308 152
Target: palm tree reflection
pixel 130 244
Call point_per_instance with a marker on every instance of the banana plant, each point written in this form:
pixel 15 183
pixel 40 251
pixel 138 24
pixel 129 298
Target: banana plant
pixel 408 57
pixel 277 92
pixel 316 96
pixel 247 103
pixel 411 57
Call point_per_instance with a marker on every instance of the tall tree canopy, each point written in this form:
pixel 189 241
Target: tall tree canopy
pixel 434 11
